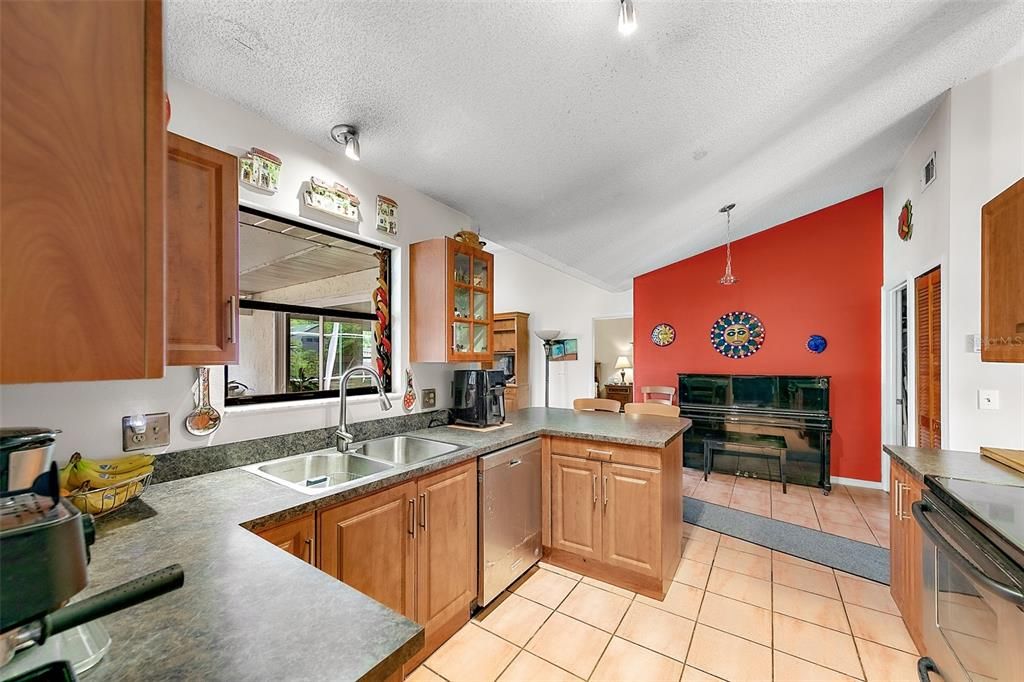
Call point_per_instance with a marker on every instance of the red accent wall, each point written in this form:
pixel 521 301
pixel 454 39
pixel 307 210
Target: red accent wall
pixel 818 274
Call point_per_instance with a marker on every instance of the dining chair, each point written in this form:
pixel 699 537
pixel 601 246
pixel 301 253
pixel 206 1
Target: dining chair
pixel 596 404
pixel 659 409
pixel 648 391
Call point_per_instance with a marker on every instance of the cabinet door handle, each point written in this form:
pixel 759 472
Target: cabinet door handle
pixel 593 487
pixel 423 511
pixel 899 501
pixel 605 487
pixel 232 307
pixel 905 489
pixel 309 549
pixel 454 349
pixel 412 517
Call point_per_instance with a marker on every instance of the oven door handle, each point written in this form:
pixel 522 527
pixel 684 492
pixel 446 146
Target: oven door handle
pixel 919 510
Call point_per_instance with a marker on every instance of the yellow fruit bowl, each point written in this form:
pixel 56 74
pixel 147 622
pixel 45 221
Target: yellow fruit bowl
pixel 104 500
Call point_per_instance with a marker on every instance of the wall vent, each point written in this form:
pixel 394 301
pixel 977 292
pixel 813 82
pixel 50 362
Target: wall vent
pixel 928 172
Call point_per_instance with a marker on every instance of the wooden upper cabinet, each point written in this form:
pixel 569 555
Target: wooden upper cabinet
pixel 202 254
pixel 82 170
pixel 451 297
pixel 1002 276
pixel 370 544
pixel 295 537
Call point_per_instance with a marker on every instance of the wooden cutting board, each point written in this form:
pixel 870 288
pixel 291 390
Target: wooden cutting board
pixel 1011 458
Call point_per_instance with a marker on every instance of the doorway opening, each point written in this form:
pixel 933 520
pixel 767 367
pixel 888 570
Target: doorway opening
pixel 613 358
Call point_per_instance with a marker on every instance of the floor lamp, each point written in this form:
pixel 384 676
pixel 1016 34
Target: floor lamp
pixel 547 336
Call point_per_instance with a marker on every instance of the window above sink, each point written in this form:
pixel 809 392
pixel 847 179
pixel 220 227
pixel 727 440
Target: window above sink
pixel 307 311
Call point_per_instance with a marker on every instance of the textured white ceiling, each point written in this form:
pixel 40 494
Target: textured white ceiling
pixel 602 155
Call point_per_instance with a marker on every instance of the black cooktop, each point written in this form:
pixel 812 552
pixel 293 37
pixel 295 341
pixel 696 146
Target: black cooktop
pixel 993 508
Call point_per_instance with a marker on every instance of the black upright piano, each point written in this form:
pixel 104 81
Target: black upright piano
pixel 793 408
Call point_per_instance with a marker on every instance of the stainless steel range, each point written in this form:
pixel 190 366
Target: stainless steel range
pixel 973 561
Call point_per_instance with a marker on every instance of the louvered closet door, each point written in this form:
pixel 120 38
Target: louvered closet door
pixel 928 289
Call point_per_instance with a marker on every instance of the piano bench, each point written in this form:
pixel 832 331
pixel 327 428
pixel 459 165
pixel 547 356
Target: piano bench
pixel 747 443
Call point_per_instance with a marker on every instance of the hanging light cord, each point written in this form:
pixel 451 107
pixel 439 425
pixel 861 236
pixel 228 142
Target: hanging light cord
pixel 728 278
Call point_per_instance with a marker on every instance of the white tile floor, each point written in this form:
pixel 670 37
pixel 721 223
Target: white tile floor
pixel 736 611
pixel 856 513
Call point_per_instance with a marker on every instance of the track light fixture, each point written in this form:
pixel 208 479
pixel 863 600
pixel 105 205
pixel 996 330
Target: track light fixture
pixel 349 137
pixel 627 17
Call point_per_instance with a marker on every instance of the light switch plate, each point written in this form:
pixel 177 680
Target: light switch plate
pixel 428 397
pixel 157 433
pixel 988 399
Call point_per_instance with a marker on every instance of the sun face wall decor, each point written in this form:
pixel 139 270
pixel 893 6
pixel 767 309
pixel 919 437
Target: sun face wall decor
pixel 737 335
pixel 663 335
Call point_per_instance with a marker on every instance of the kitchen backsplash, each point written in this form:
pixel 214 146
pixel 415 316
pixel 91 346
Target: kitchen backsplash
pixel 184 463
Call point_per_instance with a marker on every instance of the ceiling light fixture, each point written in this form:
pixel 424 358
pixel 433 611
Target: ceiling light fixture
pixel 627 17
pixel 349 137
pixel 728 278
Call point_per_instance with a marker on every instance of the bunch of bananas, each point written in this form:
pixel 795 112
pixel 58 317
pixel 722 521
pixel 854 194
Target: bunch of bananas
pixel 82 475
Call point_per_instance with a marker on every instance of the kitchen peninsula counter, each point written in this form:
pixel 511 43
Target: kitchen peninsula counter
pixel 249 610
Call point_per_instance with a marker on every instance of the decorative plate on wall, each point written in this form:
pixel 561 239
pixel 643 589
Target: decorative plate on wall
pixel 817 343
pixel 663 334
pixel 905 223
pixel 737 334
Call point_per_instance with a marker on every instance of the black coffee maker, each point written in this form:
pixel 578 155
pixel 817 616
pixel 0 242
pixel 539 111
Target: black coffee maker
pixel 479 397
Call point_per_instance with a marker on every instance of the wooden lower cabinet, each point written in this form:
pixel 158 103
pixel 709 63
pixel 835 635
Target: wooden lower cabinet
pixel 905 544
pixel 632 518
pixel 575 506
pixel 446 566
pixel 412 547
pixel 370 544
pixel 610 518
pixel 295 537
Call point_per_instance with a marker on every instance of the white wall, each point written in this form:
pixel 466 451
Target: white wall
pixel 559 301
pixel 90 412
pixel 977 133
pixel 928 247
pixel 613 338
pixel 987 145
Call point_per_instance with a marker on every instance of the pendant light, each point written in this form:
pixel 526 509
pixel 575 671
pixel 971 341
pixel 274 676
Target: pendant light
pixel 627 17
pixel 728 278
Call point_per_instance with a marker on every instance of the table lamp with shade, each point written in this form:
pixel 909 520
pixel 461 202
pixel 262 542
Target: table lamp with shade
pixel 547 336
pixel 622 364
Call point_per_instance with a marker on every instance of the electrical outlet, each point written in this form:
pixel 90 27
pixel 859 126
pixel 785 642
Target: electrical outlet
pixel 145 431
pixel 428 397
pixel 988 399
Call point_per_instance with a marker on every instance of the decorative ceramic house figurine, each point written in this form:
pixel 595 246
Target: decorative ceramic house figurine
pixel 335 199
pixel 259 169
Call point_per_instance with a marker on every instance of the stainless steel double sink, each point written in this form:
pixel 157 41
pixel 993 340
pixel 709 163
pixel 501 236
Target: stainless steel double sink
pixel 326 470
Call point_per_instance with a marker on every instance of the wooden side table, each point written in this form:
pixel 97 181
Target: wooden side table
pixel 621 392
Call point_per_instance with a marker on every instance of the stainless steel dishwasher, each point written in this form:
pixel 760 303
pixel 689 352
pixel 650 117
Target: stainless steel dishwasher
pixel 509 527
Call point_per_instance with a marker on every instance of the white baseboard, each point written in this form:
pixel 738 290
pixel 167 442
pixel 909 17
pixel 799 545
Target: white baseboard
pixel 856 482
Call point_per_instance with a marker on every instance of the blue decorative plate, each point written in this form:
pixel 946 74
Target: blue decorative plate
pixel 817 343
pixel 737 334
pixel 663 334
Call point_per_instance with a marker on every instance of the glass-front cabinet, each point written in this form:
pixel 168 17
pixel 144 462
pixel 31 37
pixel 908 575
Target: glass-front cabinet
pixel 451 284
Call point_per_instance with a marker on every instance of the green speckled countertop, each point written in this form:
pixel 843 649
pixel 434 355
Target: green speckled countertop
pixel 251 611
pixel 970 466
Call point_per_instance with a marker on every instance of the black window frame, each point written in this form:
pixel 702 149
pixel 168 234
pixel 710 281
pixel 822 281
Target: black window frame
pixel 249 304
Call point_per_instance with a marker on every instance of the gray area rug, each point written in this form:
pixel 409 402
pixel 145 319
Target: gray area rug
pixel 858 558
